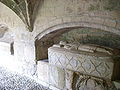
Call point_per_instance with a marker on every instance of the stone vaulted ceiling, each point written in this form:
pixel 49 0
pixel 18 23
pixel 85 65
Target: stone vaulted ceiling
pixel 25 9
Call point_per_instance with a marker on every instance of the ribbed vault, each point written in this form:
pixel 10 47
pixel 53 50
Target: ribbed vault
pixel 25 9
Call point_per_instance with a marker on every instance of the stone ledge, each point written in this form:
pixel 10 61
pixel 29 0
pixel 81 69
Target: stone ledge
pixel 60 50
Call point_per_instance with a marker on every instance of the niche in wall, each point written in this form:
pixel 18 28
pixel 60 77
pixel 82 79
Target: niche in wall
pixel 41 49
pixel 76 35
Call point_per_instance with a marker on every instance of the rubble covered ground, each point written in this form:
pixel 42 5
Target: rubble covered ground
pixel 14 81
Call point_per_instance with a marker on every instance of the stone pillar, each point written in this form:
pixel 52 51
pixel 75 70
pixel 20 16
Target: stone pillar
pixel 24 51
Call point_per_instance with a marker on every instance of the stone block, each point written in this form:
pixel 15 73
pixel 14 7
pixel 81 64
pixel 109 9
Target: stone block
pixel 95 64
pixel 118 25
pixel 97 20
pixel 86 19
pixel 57 77
pixel 69 10
pixel 55 22
pixel 48 4
pixel 59 11
pixel 66 19
pixel 43 71
pixel 57 3
pixel 111 23
pixel 80 18
pixel 42 12
pixel 42 20
pixel 49 12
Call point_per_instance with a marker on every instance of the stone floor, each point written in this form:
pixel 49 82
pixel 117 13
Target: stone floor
pixel 14 81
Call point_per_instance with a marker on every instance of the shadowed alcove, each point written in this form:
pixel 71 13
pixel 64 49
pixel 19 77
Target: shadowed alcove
pixel 76 35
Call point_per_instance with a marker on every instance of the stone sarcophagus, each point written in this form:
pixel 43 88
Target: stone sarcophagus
pixel 88 60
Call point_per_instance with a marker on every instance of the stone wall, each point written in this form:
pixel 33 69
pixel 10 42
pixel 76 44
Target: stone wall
pixel 9 18
pixel 41 48
pixel 91 36
pixel 50 76
pixel 96 14
pixel 55 15
pixel 77 36
pixel 24 51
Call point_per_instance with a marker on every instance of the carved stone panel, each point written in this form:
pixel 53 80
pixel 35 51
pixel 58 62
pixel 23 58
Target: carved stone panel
pixel 83 62
pixel 85 82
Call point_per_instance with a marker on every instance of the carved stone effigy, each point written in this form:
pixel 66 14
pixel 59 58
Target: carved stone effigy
pixel 90 60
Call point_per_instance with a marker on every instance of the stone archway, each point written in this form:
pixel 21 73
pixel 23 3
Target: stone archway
pixel 59 29
pixel 62 28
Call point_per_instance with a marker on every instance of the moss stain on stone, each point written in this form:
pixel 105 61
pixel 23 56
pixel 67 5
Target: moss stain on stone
pixel 87 35
pixel 112 5
pixel 94 7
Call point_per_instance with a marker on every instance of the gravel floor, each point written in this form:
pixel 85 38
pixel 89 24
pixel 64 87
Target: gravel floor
pixel 13 81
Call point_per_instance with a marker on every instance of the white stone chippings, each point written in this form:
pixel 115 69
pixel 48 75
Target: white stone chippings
pixel 14 81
